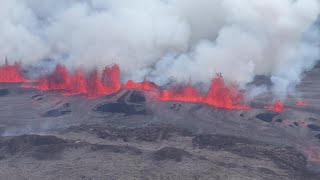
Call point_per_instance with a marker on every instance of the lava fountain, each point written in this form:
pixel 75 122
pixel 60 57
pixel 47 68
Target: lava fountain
pixel 277 107
pixel 11 73
pixel 99 83
pixel 220 94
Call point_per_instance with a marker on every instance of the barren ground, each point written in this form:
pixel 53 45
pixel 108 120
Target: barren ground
pixel 125 136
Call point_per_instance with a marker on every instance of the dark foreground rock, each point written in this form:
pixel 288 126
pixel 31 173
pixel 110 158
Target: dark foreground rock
pixel 314 127
pixel 116 149
pixel 149 133
pixel 51 147
pixel 137 97
pixel 39 147
pixel 267 117
pixel 124 153
pixel 61 111
pixel 4 92
pixel 2 129
pixel 286 158
pixel 121 108
pixel 170 153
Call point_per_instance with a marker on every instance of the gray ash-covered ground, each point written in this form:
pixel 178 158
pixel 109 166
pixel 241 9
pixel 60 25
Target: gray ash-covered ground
pixel 46 135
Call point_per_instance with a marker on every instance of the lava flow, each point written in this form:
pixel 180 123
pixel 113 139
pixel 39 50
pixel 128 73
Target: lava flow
pixel 108 81
pixel 96 85
pixel 224 96
pixel 302 104
pixel 145 85
pixel 277 107
pixel 219 95
pixel 183 93
pixel 11 73
pixel 78 83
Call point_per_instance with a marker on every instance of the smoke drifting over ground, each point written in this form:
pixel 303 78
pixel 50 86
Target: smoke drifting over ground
pixel 158 39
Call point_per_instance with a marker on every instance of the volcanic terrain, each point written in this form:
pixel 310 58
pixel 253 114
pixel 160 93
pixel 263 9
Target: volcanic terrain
pixel 128 135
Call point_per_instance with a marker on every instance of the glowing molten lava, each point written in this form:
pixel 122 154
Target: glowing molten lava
pixel 224 96
pixel 96 85
pixel 185 93
pixel 59 80
pixel 277 107
pixel 145 85
pixel 219 94
pixel 111 78
pixel 78 83
pixel 11 73
pixel 302 104
pixel 107 81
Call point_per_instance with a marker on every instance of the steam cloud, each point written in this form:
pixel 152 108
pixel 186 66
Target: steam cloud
pixel 158 39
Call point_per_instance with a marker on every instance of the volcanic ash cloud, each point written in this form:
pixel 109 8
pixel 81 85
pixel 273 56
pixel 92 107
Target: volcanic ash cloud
pixel 158 39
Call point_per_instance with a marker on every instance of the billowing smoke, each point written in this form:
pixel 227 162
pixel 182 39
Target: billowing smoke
pixel 158 39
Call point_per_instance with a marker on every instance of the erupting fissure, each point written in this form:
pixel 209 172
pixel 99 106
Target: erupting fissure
pixel 95 85
pixel 11 73
pixel 145 85
pixel 107 81
pixel 219 94
pixel 302 104
pixel 277 107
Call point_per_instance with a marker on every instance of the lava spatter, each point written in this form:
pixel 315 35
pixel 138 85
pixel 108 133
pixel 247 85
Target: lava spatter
pixel 11 73
pixel 220 94
pixel 277 107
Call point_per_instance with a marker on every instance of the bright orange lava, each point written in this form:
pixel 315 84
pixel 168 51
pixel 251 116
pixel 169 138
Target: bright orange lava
pixel 107 81
pixel 183 93
pixel 302 104
pixel 219 95
pixel 277 107
pixel 144 85
pixel 11 73
pixel 78 83
pixel 96 85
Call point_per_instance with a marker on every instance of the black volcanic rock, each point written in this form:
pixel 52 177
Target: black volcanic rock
pixel 61 111
pixel 4 92
pixel 37 97
pixel 2 130
pixel 116 149
pixel 18 143
pixel 137 97
pixel 50 147
pixel 122 99
pixel 284 157
pixel 175 107
pixel 313 119
pixel 57 112
pixel 314 127
pixel 267 117
pixel 121 108
pixel 36 146
pixel 170 153
pixel 67 105
pixel 218 142
pixel 150 133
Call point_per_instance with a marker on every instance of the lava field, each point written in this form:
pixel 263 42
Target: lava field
pixel 80 137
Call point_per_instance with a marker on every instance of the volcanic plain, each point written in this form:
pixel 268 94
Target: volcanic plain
pixel 126 135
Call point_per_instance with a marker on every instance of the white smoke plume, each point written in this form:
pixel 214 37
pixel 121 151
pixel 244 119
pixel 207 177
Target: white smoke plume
pixel 158 39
